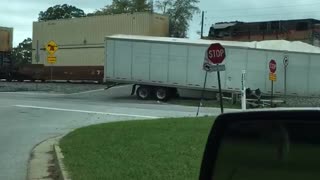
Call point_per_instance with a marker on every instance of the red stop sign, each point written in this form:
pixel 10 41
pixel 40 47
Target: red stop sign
pixel 273 66
pixel 216 53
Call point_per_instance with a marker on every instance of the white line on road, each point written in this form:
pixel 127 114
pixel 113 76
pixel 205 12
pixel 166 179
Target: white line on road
pixel 86 92
pixel 83 111
pixel 32 93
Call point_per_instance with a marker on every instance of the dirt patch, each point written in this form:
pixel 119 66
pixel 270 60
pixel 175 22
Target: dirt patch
pixel 52 169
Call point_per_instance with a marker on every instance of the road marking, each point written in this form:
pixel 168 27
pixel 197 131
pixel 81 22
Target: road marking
pixel 85 92
pixel 32 93
pixel 89 112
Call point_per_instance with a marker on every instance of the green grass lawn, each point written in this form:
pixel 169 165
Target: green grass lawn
pixel 153 149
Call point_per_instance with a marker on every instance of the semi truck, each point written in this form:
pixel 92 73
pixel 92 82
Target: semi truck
pixel 159 66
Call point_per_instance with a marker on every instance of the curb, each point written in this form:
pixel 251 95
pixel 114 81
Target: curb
pixel 41 159
pixel 58 159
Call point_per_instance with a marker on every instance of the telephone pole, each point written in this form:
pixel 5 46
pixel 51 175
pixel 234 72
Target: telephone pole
pixel 202 23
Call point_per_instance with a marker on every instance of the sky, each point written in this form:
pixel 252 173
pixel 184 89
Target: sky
pixel 20 14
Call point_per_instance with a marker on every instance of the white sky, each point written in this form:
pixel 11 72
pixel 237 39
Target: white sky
pixel 20 14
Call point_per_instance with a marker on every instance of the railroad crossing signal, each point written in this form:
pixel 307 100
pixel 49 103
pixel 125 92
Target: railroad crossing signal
pixel 51 47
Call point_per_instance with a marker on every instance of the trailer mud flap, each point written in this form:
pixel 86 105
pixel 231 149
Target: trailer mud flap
pixel 133 89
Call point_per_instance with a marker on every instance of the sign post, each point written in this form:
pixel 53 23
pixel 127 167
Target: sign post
pixel 214 56
pixel 243 91
pixel 272 76
pixel 51 47
pixel 202 93
pixel 285 63
pixel 38 53
pixel 37 60
pixel 51 60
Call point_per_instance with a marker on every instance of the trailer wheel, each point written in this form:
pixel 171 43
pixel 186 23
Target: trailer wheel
pixel 162 94
pixel 144 92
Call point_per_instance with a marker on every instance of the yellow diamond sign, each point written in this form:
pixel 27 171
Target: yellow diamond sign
pixel 51 47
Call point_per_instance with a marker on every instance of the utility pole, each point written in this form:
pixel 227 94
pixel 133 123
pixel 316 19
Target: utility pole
pixel 152 5
pixel 202 23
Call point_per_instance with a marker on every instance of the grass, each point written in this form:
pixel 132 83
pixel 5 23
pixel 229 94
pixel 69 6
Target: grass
pixel 205 103
pixel 154 149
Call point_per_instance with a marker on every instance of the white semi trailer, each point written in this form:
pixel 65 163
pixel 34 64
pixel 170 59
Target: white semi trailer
pixel 161 65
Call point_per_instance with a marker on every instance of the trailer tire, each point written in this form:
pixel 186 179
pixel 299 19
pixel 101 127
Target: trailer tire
pixel 144 92
pixel 162 93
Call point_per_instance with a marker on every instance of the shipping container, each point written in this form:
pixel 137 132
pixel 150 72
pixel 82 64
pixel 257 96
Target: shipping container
pixel 154 62
pixel 6 37
pixel 81 40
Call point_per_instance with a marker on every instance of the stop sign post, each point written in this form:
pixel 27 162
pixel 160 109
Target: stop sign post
pixel 214 56
pixel 272 76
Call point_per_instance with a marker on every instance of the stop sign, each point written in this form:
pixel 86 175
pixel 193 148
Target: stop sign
pixel 273 66
pixel 216 53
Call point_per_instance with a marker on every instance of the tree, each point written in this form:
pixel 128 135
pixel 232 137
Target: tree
pixel 180 14
pixel 142 6
pixel 64 11
pixel 22 54
pixel 163 5
pixel 124 6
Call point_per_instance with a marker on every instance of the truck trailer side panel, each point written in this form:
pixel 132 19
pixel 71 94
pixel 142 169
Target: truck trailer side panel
pixel 168 63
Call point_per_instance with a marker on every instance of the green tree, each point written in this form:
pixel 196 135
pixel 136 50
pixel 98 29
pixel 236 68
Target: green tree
pixel 124 6
pixel 141 6
pixel 163 5
pixel 180 14
pixel 22 54
pixel 64 11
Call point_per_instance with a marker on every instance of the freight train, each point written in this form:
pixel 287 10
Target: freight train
pixel 79 45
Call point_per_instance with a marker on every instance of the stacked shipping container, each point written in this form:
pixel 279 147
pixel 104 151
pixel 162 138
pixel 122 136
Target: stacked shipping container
pixel 80 41
pixel 6 37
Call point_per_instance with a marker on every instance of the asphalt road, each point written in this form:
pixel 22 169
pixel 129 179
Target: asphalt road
pixel 29 118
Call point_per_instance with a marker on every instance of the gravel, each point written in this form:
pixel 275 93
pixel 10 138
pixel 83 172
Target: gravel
pixel 64 88
pixel 303 102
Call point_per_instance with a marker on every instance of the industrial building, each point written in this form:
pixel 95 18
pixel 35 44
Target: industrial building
pixel 305 30
pixel 80 42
